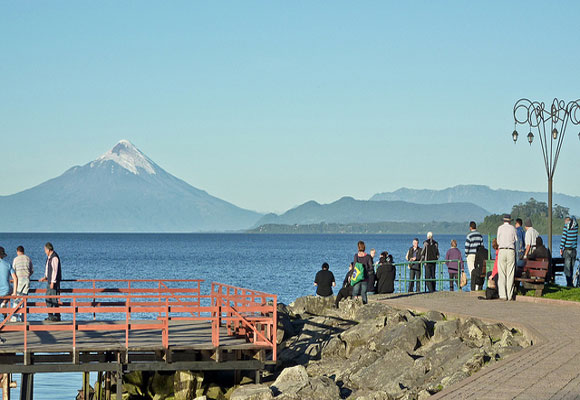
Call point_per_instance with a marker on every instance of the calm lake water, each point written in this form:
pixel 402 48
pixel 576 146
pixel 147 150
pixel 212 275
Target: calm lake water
pixel 281 264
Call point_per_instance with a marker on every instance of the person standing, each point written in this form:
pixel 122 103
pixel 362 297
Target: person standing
pixel 506 241
pixel 429 254
pixel 23 267
pixel 453 258
pixel 473 240
pixel 324 281
pixel 52 277
pixel 372 275
pixel 386 274
pixel 568 246
pixel 520 243
pixel 531 236
pixel 6 271
pixel 414 257
pixel 360 288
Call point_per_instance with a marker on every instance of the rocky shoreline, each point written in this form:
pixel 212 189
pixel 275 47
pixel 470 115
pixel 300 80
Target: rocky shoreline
pixel 370 352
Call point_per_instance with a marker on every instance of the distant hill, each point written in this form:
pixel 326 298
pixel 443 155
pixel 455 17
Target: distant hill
pixel 369 228
pixel 492 200
pixel 348 210
pixel 121 191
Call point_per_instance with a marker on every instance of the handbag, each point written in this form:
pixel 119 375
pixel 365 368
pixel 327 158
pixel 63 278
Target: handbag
pixel 463 281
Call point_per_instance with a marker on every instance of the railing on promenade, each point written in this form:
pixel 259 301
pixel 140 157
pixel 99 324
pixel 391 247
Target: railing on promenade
pixel 145 305
pixel 439 279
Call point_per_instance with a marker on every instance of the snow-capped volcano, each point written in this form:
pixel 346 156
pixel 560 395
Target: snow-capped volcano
pixel 121 191
pixel 129 157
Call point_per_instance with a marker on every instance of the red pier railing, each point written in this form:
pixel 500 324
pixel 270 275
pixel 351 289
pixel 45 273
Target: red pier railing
pixel 147 305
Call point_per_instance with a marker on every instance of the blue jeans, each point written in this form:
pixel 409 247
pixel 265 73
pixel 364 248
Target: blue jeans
pixel 360 289
pixel 569 261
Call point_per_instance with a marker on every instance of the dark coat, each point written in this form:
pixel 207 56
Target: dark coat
pixel 386 277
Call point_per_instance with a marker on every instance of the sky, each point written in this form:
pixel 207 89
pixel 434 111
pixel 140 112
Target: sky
pixel 269 104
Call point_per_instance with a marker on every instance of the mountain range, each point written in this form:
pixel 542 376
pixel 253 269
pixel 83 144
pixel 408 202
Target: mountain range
pixel 495 201
pixel 121 191
pixel 125 191
pixel 348 210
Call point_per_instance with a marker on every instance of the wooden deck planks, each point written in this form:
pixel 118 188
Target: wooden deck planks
pixel 183 335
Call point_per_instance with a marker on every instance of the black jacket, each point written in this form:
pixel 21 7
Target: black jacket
pixel 386 277
pixel 430 250
pixel 415 253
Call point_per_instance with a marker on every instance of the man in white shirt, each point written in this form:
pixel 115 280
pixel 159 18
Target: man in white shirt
pixel 531 236
pixel 506 264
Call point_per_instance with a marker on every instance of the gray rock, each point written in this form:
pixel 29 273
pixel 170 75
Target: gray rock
pixel 187 384
pixel 360 334
pixel 290 380
pixel 319 388
pixel 252 392
pixel 310 305
pixel 371 395
pixel 472 331
pixel 434 316
pixel 408 336
pixel 384 372
pixel 334 347
pixel 445 330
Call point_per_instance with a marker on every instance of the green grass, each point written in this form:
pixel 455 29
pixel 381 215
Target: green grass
pixel 556 292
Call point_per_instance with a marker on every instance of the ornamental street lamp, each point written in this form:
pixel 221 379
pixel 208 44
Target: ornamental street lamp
pixel 550 125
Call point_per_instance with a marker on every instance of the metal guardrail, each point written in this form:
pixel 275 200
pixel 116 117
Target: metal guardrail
pixel 246 313
pixel 403 274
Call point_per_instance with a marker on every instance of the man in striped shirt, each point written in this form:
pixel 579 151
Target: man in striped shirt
pixel 568 246
pixel 472 242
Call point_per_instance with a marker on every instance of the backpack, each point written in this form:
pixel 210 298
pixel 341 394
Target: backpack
pixel 358 274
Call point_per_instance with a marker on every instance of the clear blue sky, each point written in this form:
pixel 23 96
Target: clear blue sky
pixel 270 104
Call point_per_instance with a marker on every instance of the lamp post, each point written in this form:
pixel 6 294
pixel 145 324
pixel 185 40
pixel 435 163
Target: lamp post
pixel 550 126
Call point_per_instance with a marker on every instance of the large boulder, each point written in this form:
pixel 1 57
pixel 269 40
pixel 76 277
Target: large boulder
pixel 187 384
pixel 408 336
pixel 319 388
pixel 161 386
pixel 384 372
pixel 445 330
pixel 473 331
pixel 252 392
pixel 310 305
pixel 360 334
pixel 290 380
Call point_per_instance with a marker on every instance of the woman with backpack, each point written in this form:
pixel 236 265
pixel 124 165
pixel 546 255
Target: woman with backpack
pixel 363 263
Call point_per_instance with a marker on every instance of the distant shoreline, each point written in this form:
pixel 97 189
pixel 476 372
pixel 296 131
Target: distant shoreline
pixel 399 228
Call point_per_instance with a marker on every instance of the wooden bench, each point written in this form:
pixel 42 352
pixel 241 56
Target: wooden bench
pixel 534 276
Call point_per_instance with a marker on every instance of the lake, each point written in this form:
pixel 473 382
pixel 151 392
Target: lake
pixel 281 264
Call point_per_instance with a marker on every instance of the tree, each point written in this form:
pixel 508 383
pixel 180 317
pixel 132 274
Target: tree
pixel 530 208
pixel 560 212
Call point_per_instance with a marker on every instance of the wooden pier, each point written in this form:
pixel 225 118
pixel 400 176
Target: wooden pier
pixel 119 326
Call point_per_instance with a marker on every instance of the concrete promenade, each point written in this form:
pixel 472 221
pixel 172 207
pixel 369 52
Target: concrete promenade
pixel 550 369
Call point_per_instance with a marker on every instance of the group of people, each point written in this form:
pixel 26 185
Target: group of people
pixel 516 244
pixel 362 278
pixel 20 272
pixel 513 246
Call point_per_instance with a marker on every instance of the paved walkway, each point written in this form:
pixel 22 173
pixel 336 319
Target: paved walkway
pixel 550 369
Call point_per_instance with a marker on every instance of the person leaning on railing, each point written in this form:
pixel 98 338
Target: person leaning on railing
pixel 23 267
pixel 414 258
pixel 430 254
pixel 6 271
pixel 453 258
pixel 473 240
pixel 52 277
